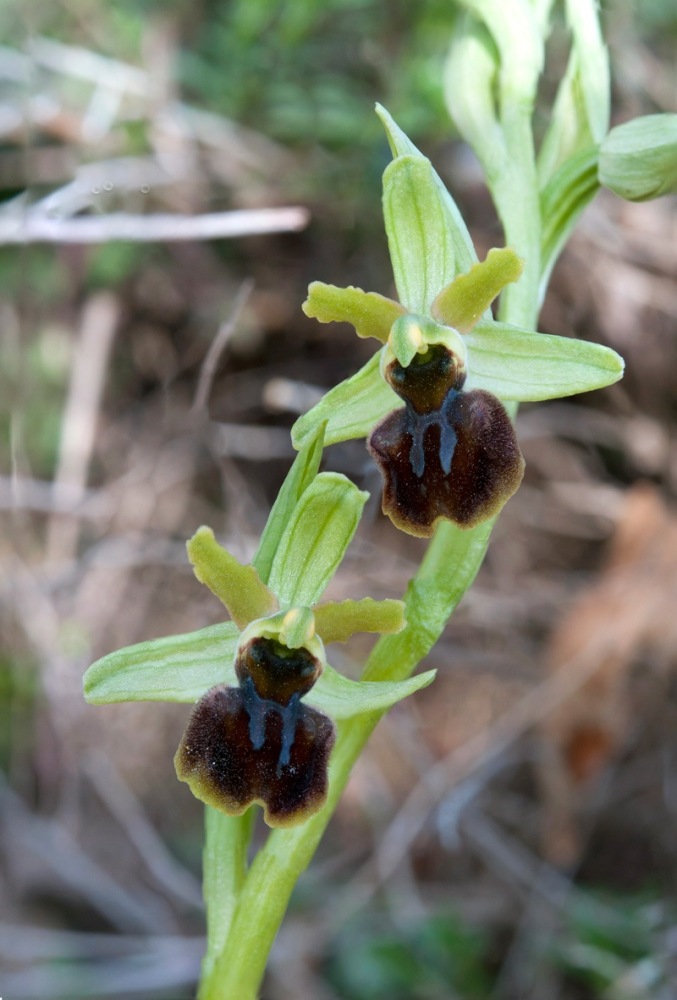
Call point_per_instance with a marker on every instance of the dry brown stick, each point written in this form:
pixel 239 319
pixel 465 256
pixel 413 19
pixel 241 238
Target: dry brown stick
pixel 99 321
pixel 218 345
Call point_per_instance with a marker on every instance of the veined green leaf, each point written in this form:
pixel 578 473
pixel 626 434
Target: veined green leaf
pixel 369 313
pixel 341 698
pixel 462 303
pixel 238 587
pixel 337 621
pixel 174 668
pixel 297 480
pixel 315 540
pixel 516 364
pixel 351 409
pixel 563 200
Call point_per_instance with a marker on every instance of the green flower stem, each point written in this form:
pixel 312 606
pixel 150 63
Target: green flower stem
pixel 431 598
pixel 225 866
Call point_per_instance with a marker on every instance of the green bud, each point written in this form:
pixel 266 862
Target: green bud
pixel 638 160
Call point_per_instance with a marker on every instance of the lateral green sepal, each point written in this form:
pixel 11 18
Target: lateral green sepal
pixel 515 364
pixel 315 540
pixel 351 409
pixel 371 314
pixel 462 303
pixel 175 668
pixel 238 587
pixel 341 698
pixel 336 621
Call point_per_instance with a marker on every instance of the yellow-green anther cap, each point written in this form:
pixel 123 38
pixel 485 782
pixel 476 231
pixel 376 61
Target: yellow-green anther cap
pixel 411 335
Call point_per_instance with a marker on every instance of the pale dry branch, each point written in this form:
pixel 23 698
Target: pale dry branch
pixel 156 228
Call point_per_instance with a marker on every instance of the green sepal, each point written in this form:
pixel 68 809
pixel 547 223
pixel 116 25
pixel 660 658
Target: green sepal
pixel 317 535
pixel 464 255
pixel 341 698
pixel 174 668
pixel 351 409
pixel 519 365
pixel 336 621
pixel 462 303
pixel 239 588
pixel 302 473
pixel 420 232
pixel 638 160
pixel 371 314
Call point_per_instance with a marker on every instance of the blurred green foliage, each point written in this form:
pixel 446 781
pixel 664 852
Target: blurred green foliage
pixel 439 957
pixel 618 945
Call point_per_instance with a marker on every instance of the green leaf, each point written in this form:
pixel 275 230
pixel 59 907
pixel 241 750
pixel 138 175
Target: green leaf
pixel 517 34
pixel 351 409
pixel 316 538
pixel 238 587
pixel 297 480
pixel 371 314
pixel 580 115
pixel 174 668
pixel 422 238
pixel 516 364
pixel 462 303
pixel 563 200
pixel 341 698
pixel 337 621
pixel 583 18
pixel 638 160
pixel 470 78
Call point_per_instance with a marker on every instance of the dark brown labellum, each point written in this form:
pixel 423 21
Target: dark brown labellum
pixel 258 743
pixel 449 454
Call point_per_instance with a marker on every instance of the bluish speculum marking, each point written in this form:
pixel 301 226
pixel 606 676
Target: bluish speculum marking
pixel 273 679
pixel 449 454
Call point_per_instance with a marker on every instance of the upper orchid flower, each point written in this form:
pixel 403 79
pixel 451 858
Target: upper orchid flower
pixel 450 452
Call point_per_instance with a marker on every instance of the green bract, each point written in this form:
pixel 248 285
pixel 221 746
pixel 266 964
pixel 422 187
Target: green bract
pixel 638 160
pixel 443 293
pixel 306 537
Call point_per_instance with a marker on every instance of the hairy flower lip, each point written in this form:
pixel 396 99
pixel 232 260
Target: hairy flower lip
pixel 258 742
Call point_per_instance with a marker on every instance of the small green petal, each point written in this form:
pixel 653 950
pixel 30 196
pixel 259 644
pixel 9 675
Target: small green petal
pixel 371 314
pixel 317 536
pixel 238 587
pixel 302 473
pixel 515 364
pixel 174 668
pixel 337 621
pixel 462 303
pixel 351 409
pixel 341 698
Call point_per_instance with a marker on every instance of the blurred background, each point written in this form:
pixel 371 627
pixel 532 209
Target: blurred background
pixel 511 832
